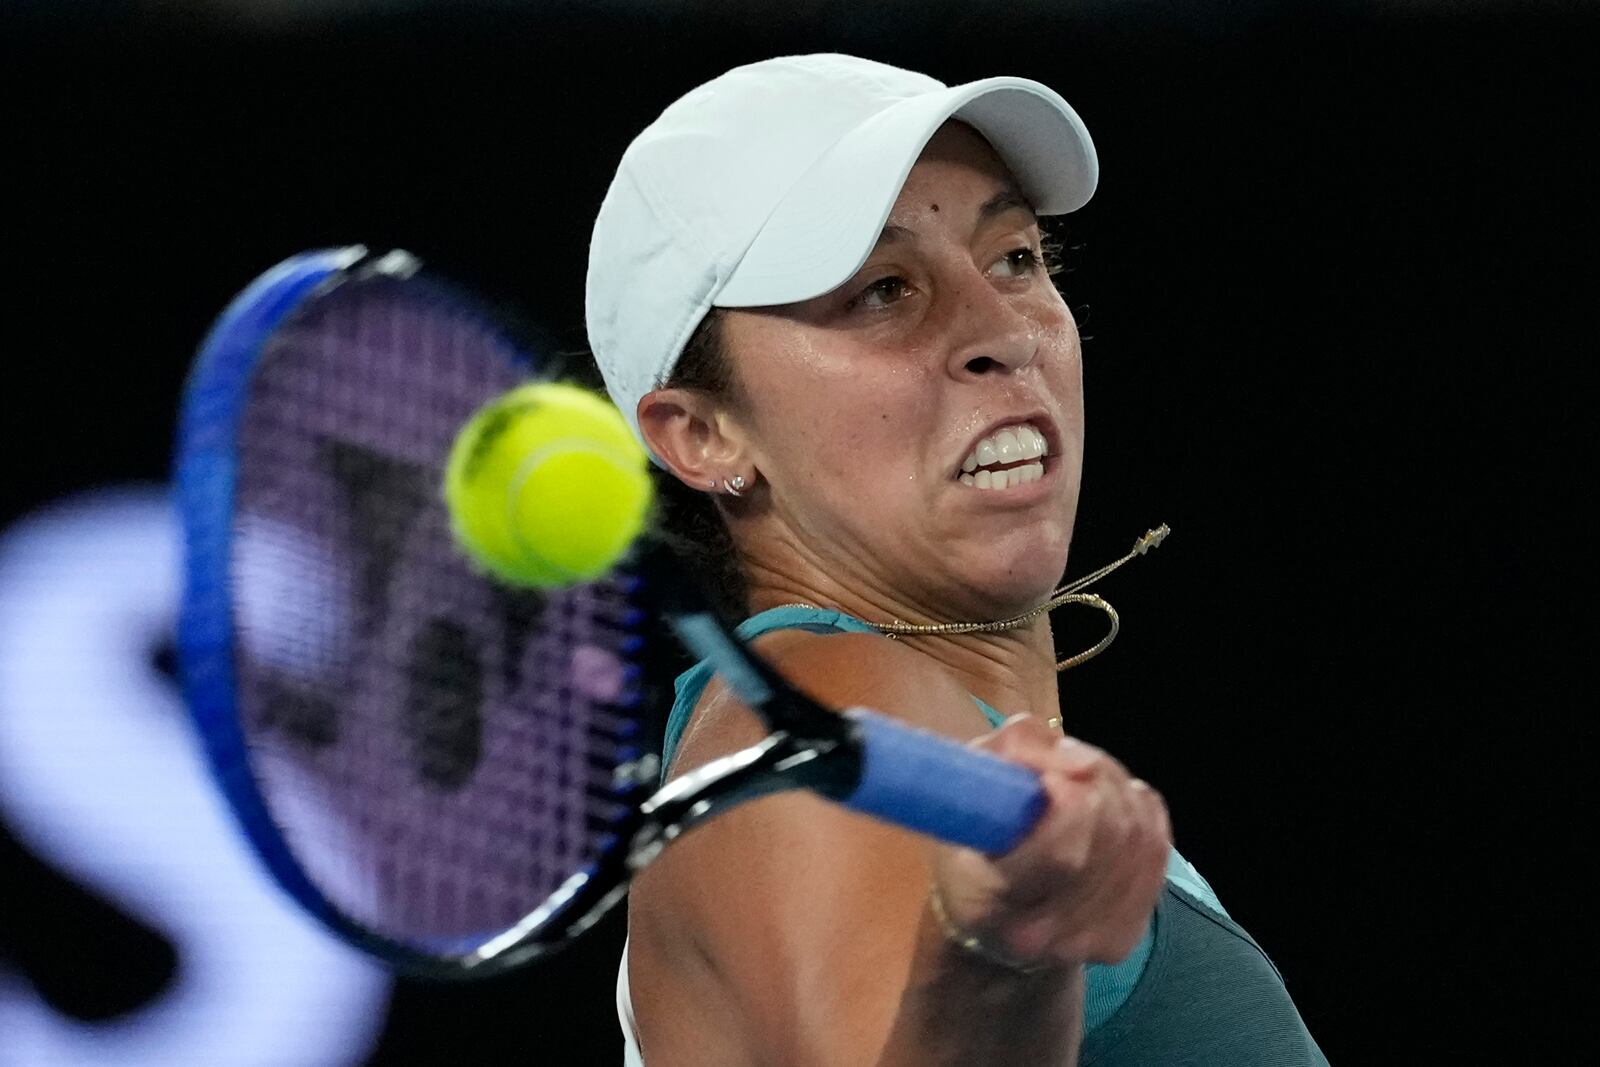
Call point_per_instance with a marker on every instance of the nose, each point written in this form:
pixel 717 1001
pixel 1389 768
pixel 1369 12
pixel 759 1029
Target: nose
pixel 989 333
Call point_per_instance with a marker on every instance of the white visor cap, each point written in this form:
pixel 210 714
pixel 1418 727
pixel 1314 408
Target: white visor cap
pixel 771 184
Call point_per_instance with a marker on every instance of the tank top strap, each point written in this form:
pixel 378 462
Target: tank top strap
pixel 800 617
pixel 692 682
pixel 820 620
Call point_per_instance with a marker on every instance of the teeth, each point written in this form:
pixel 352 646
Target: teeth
pixel 1008 445
pixel 985 479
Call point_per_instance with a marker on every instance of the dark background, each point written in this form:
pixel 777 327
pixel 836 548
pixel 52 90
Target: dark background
pixel 1338 288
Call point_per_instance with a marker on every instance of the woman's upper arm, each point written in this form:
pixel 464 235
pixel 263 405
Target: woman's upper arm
pixel 797 916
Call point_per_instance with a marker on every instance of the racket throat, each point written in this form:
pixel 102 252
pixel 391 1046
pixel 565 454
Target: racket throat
pixel 780 762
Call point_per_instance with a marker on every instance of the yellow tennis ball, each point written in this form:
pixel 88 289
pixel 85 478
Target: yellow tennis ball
pixel 546 485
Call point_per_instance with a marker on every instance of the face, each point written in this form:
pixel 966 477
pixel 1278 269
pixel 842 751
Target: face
pixel 950 347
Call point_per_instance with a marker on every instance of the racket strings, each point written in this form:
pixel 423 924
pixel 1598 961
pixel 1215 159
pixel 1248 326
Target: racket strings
pixel 439 750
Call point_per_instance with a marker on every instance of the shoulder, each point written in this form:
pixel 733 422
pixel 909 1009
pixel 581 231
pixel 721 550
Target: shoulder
pixel 787 906
pixel 844 670
pixel 839 670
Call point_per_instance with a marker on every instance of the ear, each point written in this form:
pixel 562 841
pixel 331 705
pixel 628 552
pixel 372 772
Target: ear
pixel 694 436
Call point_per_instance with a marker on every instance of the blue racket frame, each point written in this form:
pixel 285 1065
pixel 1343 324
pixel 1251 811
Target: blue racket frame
pixel 206 471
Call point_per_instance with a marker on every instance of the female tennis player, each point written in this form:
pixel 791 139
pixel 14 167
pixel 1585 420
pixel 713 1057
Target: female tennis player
pixel 818 287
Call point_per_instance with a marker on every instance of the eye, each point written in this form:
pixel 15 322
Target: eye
pixel 1022 261
pixel 881 293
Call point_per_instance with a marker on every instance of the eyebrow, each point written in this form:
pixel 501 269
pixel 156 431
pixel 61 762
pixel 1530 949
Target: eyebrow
pixel 1008 198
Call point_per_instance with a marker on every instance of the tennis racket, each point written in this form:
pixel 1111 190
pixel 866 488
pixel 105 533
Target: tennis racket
pixel 453 774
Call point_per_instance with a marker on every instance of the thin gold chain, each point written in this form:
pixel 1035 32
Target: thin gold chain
pixel 1071 593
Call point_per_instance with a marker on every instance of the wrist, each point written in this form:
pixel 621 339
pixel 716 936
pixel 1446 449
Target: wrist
pixel 974 947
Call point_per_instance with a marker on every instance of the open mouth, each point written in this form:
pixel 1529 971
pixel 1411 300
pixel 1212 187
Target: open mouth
pixel 1012 455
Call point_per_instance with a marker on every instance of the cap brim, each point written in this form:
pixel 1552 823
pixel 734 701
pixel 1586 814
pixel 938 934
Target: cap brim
pixel 829 221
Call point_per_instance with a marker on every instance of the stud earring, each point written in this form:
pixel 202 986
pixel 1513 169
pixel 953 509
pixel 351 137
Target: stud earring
pixel 734 487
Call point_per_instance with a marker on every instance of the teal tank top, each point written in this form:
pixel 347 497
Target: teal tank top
pixel 1108 986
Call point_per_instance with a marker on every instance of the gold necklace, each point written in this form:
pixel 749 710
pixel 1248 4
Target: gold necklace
pixel 1067 594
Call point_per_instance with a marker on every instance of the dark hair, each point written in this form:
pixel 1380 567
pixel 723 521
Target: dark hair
pixel 687 517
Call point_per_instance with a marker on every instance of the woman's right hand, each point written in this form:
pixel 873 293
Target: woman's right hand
pixel 1082 885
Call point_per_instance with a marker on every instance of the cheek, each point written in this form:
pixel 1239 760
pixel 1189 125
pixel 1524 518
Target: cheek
pixel 852 416
pixel 865 432
pixel 852 459
pixel 1057 334
pixel 1063 365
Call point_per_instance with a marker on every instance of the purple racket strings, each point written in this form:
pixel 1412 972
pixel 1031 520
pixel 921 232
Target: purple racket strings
pixel 437 748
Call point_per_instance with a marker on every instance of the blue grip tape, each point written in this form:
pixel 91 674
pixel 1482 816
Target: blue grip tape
pixel 935 786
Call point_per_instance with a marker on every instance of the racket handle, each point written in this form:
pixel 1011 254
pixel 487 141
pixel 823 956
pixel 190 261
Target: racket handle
pixel 936 786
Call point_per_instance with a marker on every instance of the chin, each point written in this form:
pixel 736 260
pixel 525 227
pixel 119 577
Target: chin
pixel 1011 575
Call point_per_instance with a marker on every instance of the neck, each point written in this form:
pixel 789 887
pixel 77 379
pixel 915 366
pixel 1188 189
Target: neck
pixel 1012 670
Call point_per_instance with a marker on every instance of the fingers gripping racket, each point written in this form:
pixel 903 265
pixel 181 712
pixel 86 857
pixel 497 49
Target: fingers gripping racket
pixel 451 772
